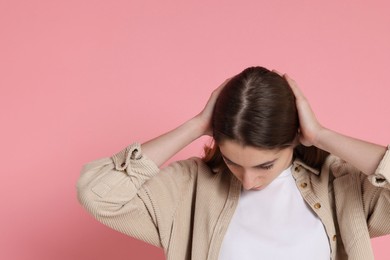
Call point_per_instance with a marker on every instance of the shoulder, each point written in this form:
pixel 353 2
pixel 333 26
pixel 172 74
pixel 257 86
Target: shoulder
pixel 187 168
pixel 194 169
pixel 187 174
pixel 333 165
pixel 338 167
pixel 190 165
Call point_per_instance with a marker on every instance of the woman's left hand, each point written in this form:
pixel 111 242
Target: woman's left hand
pixel 310 128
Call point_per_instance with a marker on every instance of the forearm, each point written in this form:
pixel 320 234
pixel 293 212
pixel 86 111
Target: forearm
pixel 163 147
pixel 363 155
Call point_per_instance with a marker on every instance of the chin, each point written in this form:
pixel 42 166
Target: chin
pixel 258 188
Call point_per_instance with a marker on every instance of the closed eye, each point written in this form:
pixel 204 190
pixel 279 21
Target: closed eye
pixel 263 167
pixel 266 167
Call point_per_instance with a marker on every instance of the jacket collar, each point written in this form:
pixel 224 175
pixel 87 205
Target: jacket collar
pixel 299 162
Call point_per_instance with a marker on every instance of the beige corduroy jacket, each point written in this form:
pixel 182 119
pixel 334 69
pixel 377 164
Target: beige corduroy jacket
pixel 185 208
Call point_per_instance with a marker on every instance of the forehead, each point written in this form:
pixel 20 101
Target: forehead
pixel 247 155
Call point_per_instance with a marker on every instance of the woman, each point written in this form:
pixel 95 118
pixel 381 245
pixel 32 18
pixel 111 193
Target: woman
pixel 276 184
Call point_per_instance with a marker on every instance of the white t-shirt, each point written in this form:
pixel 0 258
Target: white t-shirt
pixel 275 223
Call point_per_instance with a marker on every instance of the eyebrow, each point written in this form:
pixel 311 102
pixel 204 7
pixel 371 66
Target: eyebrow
pixel 260 165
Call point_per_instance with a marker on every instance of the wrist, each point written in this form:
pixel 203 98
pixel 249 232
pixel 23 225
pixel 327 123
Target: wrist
pixel 197 127
pixel 322 137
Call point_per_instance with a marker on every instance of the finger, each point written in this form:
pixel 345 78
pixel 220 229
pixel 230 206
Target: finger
pixel 291 82
pixel 215 94
pixel 219 89
pixel 294 86
pixel 277 72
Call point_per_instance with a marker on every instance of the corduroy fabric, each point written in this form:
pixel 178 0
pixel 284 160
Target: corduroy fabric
pixel 185 208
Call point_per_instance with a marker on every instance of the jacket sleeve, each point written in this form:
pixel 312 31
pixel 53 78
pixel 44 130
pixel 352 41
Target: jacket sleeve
pixel 376 198
pixel 112 190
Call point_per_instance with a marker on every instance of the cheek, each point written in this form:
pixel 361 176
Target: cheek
pixel 274 173
pixel 271 175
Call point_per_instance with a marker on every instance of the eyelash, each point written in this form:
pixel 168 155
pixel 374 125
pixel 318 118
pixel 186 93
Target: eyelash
pixel 268 167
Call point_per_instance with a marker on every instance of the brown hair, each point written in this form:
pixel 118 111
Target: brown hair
pixel 257 108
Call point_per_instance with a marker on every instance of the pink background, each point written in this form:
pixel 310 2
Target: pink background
pixel 80 80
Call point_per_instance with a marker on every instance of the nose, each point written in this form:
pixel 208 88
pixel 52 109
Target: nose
pixel 249 180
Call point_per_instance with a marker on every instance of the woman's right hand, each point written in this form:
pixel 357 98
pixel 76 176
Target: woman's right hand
pixel 206 114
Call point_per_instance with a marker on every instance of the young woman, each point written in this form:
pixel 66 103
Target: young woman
pixel 275 184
